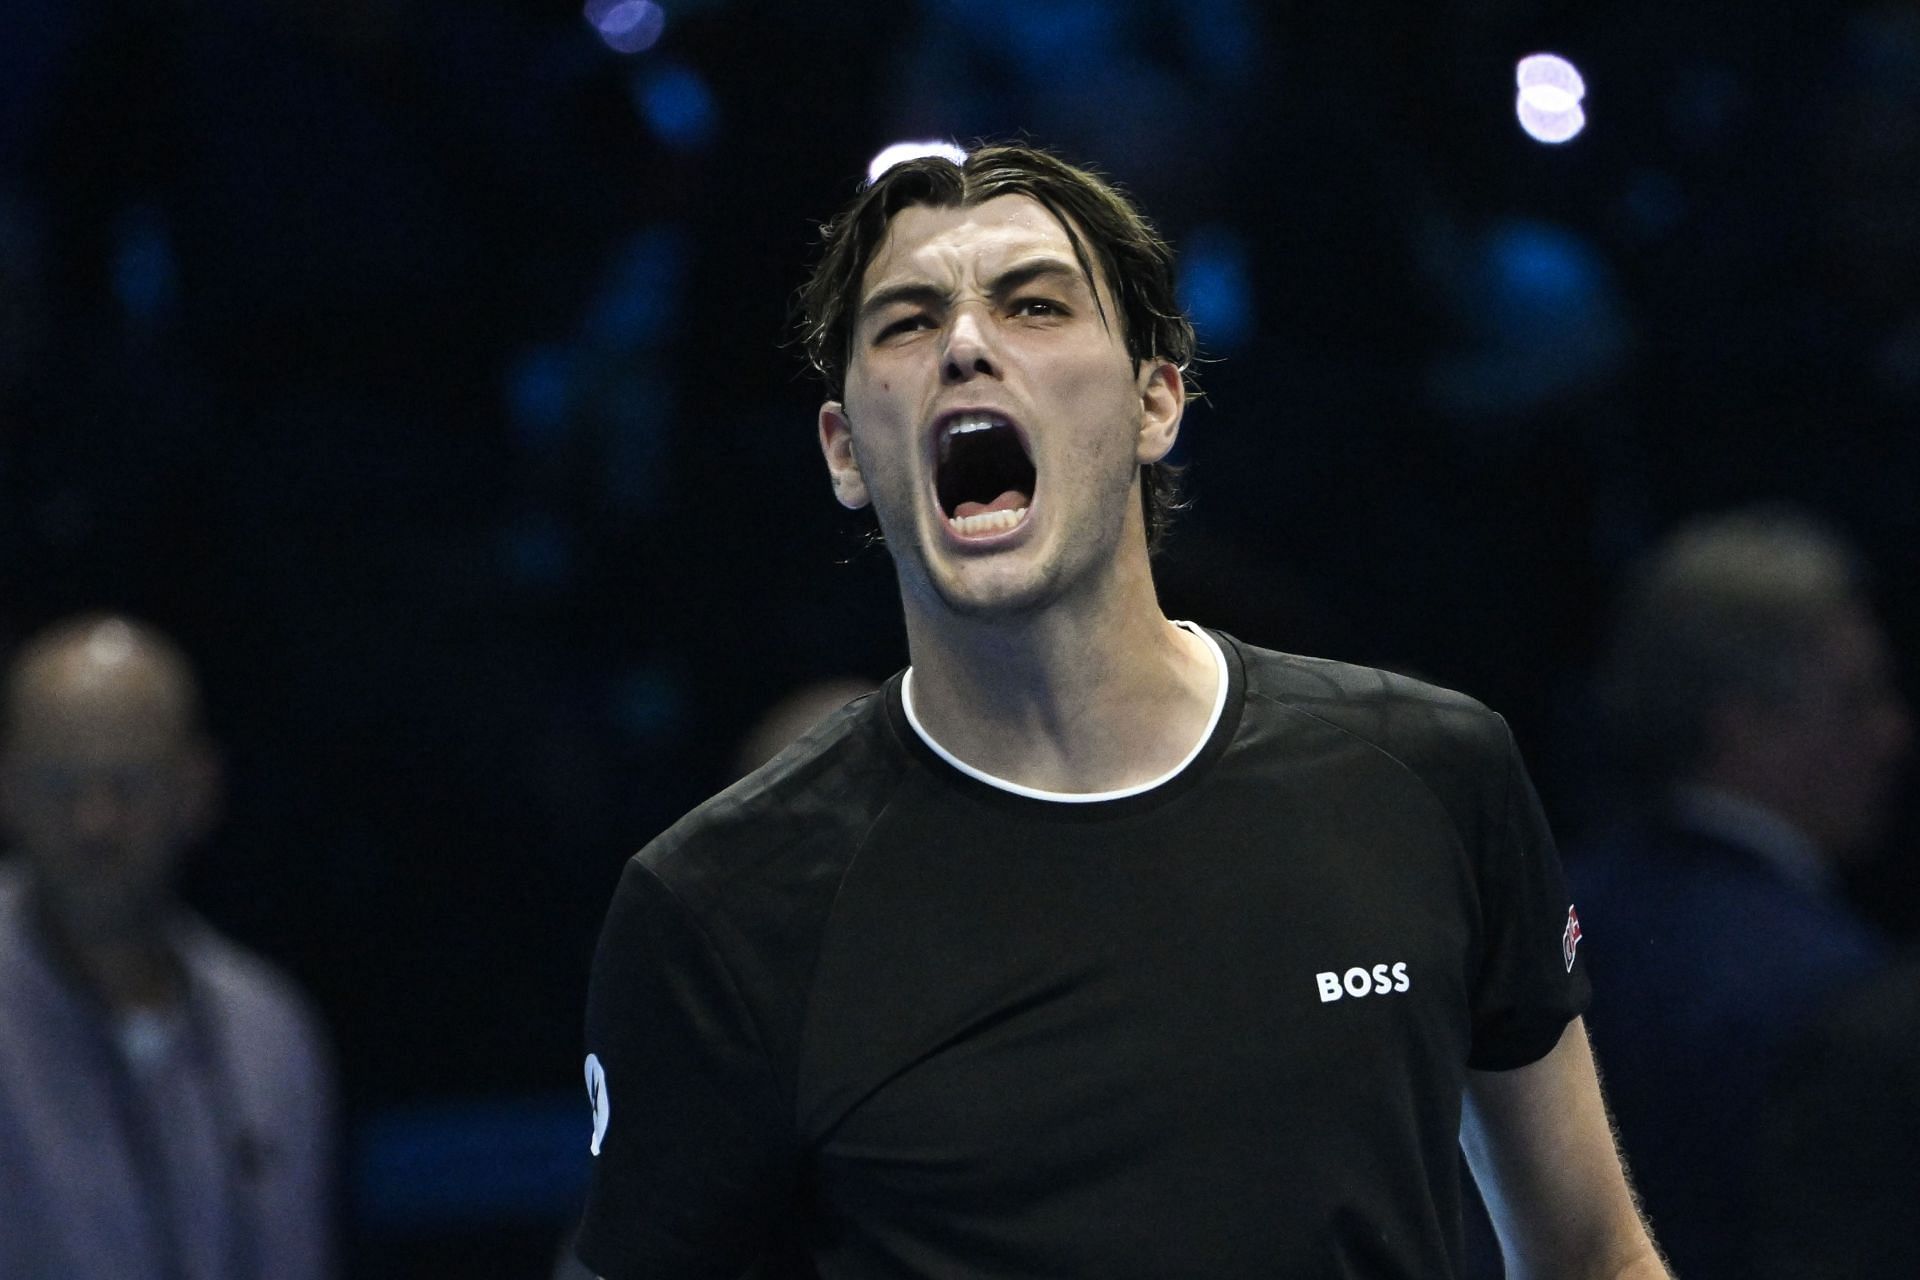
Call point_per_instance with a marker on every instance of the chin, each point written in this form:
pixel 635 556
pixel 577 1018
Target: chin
pixel 984 589
pixel 996 606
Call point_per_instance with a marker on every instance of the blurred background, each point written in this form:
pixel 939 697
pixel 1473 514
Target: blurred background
pixel 423 367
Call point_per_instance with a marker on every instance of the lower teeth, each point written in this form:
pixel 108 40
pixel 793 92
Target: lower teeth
pixel 988 521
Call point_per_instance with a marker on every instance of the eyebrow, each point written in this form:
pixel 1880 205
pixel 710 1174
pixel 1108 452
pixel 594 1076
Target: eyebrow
pixel 1012 280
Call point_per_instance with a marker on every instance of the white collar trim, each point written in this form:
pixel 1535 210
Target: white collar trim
pixel 1083 797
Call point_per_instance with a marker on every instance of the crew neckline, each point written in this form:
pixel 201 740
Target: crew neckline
pixel 1085 797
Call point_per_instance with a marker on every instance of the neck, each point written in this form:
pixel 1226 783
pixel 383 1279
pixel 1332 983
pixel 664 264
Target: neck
pixel 132 968
pixel 1082 696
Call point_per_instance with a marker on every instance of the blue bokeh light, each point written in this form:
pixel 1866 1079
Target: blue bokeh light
pixel 677 105
pixel 639 288
pixel 540 396
pixel 145 277
pixel 1216 287
pixel 627 26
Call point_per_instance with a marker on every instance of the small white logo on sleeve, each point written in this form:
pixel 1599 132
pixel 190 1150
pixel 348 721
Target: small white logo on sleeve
pixel 597 1094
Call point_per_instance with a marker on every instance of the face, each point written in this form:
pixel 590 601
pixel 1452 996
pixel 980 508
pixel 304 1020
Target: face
pixel 1846 735
pixel 993 416
pixel 102 795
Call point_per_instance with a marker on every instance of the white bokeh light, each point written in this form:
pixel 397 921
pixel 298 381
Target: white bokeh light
pixel 901 152
pixel 1548 104
pixel 1555 127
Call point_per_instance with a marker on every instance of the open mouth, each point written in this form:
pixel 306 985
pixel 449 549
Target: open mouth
pixel 983 477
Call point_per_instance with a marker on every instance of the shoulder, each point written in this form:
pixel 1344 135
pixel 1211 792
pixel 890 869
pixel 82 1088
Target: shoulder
pixel 1717 886
pixel 1712 919
pixel 1447 738
pixel 814 800
pixel 239 977
pixel 1449 746
pixel 256 1000
pixel 728 906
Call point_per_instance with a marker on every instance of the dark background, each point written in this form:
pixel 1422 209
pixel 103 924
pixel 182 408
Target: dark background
pixel 423 366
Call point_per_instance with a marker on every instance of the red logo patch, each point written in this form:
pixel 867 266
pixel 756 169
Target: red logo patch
pixel 1570 940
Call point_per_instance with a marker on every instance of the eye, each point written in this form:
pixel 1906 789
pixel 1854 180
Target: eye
pixel 905 324
pixel 1038 307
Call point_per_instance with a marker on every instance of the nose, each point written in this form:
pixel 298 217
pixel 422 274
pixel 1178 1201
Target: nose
pixel 968 352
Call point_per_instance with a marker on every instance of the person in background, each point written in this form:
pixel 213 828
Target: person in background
pixel 788 719
pixel 1835 1179
pixel 165 1095
pixel 1751 686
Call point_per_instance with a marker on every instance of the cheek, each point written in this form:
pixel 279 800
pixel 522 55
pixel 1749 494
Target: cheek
pixel 156 824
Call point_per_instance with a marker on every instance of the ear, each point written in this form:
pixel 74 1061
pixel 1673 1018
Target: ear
pixel 1163 399
pixel 836 444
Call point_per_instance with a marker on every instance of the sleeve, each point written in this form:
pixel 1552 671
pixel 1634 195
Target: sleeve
pixel 691 1143
pixel 1531 982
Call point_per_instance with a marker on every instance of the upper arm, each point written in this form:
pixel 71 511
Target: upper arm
pixel 1543 1151
pixel 692 1138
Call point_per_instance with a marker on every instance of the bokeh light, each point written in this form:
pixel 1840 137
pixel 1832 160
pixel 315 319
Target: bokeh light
pixel 627 26
pixel 901 152
pixel 1548 104
pixel 1216 286
pixel 677 105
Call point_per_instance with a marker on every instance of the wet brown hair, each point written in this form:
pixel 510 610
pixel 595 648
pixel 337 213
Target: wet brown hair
pixel 1133 259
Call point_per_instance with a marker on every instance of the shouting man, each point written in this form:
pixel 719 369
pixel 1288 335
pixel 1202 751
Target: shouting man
pixel 1093 944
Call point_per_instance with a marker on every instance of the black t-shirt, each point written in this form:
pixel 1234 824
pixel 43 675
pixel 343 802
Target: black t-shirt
pixel 863 1015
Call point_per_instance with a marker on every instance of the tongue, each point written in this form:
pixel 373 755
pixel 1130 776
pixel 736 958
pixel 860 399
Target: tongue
pixel 1011 500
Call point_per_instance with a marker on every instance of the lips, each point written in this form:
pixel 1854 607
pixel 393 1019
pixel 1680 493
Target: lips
pixel 984 477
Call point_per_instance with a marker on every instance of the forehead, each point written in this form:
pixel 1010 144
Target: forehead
pixel 69 707
pixel 956 245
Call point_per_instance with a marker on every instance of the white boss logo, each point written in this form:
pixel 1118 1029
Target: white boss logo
pixel 1360 981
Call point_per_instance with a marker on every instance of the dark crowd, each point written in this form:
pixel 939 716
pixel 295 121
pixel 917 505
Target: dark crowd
pixel 410 504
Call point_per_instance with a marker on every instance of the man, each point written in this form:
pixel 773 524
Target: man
pixel 164 1102
pixel 1750 683
pixel 1835 1179
pixel 1093 944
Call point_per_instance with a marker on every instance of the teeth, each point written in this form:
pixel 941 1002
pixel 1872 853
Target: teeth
pixel 966 422
pixel 987 522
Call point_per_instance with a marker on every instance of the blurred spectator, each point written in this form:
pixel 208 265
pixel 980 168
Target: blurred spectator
pixel 1751 685
pixel 789 718
pixel 164 1098
pixel 1836 1181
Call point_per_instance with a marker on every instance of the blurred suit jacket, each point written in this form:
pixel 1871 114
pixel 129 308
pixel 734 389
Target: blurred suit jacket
pixel 1716 939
